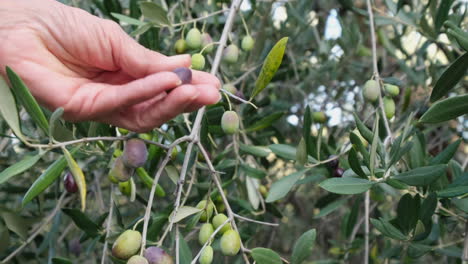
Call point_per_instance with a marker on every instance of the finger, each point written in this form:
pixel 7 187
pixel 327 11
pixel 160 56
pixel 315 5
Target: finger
pixel 92 100
pixel 141 119
pixel 199 77
pixel 139 61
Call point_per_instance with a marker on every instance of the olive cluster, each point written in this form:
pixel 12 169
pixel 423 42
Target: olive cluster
pixel 134 155
pixel 196 40
pixel 127 245
pixel 371 93
pixel 230 239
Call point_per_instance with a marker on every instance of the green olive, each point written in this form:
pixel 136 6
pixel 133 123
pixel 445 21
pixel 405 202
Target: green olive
pixel 194 38
pixel 198 61
pixel 247 43
pixel 389 107
pixel 206 215
pixel 231 54
pixel 219 220
pixel 230 122
pixel 391 89
pixel 127 244
pixel 206 257
pixel 230 243
pixel 371 90
pixel 206 42
pixel 180 46
pixel 205 233
pixel 137 259
pixel 319 117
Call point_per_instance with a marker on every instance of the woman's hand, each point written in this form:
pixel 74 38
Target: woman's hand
pixel 93 69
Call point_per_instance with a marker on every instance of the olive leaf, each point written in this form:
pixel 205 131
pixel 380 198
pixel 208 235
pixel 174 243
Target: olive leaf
pixel 346 185
pixel 303 247
pixel 19 167
pixel 451 76
pixel 270 66
pixel 77 175
pixel 8 109
pixel 447 109
pixel 266 256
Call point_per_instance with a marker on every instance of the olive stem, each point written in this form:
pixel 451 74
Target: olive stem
pixel 376 68
pixel 199 18
pixel 255 221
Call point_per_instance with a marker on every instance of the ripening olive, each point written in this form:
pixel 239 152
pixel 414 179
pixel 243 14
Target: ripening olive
pixel 180 46
pixel 205 232
pixel 206 40
pixel 206 257
pixel 184 74
pixel 230 88
pixel 230 122
pixel 127 244
pixel 371 90
pixel 319 117
pixel 301 152
pixel 137 259
pixel 125 188
pixel 239 94
pixel 263 190
pixel 206 215
pixel 389 107
pixel 338 172
pixel 194 38
pixel 392 90
pixel 135 153
pixel 119 172
pixel 230 243
pixel 231 54
pixel 198 61
pixel 156 255
pixel 69 183
pixel 247 43
pixel 219 220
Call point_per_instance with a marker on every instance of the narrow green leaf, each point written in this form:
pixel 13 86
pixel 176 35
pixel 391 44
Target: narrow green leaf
pixel 447 154
pixel 346 185
pixel 127 19
pixel 185 211
pixel 59 260
pixel 442 13
pixel 284 151
pixel 366 133
pixel 309 139
pixel 16 223
pixel 141 29
pixel 303 247
pixel 82 221
pixel 280 188
pixel 447 109
pixel 27 100
pixel 155 13
pixel 46 179
pixel 254 150
pixel 185 251
pixel 354 163
pixel 253 172
pixel 387 229
pixel 54 118
pixel 265 256
pixel 8 109
pixel 408 212
pixel 19 167
pixel 78 176
pixel 270 66
pixel 421 176
pixel 265 122
pixel 335 205
pixel 451 76
pixel 453 191
pixel 375 142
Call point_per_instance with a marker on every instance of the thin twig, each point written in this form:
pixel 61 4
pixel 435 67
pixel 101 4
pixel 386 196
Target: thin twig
pixel 40 228
pixel 366 227
pixel 108 224
pixel 199 18
pixel 255 221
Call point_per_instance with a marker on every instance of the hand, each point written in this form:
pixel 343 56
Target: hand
pixel 93 69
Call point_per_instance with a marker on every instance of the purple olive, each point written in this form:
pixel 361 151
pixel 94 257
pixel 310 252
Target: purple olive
pixel 338 172
pixel 69 183
pixel 75 246
pixel 184 74
pixel 156 255
pixel 239 94
pixel 135 153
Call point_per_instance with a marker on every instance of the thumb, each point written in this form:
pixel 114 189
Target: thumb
pixel 138 61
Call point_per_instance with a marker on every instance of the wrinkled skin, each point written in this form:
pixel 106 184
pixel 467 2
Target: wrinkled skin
pixel 93 69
